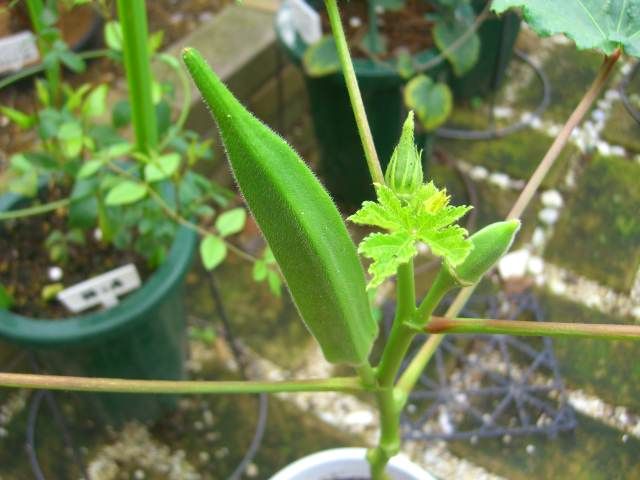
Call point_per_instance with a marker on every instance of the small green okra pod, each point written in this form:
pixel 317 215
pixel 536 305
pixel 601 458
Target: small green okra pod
pixel 304 229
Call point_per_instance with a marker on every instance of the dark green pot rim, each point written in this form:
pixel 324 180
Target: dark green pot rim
pixel 365 68
pixel 104 324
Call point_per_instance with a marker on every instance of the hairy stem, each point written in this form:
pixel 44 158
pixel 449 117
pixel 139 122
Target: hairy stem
pixel 354 92
pixel 422 358
pixel 35 210
pixel 115 385
pixel 527 328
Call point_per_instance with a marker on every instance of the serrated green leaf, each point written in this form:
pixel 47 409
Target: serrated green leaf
pixel 431 101
pixel 212 251
pixel 96 102
pixel 126 192
pixel 446 34
pixel 321 58
pixel 388 251
pixel 425 217
pixel 231 221
pixel 603 25
pixel 162 167
pixel 89 168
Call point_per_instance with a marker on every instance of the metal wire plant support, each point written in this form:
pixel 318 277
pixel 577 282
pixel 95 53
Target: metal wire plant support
pixel 624 85
pixel 484 386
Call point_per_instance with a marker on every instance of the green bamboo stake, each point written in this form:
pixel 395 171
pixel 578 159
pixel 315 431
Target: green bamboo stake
pixel 133 19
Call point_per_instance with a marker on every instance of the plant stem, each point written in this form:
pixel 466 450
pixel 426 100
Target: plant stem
pixel 414 370
pixel 528 328
pixel 389 442
pixel 185 84
pixel 53 73
pixel 133 19
pixel 115 385
pixel 406 327
pixel 35 210
pixel 354 93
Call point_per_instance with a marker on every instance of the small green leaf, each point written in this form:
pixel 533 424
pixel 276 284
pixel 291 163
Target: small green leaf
pixel 162 167
pixel 72 60
pixel 431 101
pixel 126 192
pixel 604 25
pixel 321 58
pixel 231 221
pixel 212 251
pixel 260 270
pixel 113 35
pixel 388 251
pixel 49 292
pixel 22 120
pixel 404 65
pixel 117 150
pixel 75 96
pixel 70 136
pixel 42 92
pixel 6 300
pixel 96 102
pixel 90 168
pixel 446 34
pixel 275 283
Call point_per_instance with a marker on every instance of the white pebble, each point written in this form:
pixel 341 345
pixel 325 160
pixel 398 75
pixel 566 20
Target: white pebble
pixel 535 265
pixel 599 115
pixel 531 449
pixel 363 417
pixel 478 173
pixel 618 151
pixel 97 234
pixel 548 216
pixel 3 432
pixel 252 470
pixel 604 148
pixel 538 238
pixel 514 264
pixel 138 474
pixel 551 198
pixel 500 179
pixel 55 273
pixel 625 438
pixel 379 9
pixel 355 22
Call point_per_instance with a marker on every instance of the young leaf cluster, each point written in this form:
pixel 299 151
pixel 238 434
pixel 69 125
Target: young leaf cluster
pixel 426 217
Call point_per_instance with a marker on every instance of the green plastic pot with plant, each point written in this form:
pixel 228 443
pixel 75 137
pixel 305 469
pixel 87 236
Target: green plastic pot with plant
pixel 419 48
pixel 317 258
pixel 113 194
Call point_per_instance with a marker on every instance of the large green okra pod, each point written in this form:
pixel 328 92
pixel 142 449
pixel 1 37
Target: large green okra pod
pixel 299 220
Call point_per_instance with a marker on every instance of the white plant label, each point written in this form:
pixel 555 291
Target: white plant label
pixel 18 50
pixel 101 290
pixel 306 21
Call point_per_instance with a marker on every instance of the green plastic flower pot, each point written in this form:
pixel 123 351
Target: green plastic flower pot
pixel 342 160
pixel 497 40
pixel 143 337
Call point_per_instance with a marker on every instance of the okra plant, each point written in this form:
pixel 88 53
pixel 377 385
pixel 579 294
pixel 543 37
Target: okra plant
pixel 319 261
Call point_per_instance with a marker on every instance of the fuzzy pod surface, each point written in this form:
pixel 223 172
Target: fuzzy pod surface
pixel 302 225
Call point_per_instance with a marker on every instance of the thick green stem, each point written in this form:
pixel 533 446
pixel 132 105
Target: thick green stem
pixel 133 18
pixel 406 327
pixel 115 385
pixel 422 358
pixel 53 72
pixel 354 92
pixel 442 325
pixel 389 442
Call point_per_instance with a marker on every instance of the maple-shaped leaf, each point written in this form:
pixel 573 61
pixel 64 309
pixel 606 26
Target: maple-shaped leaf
pixel 424 217
pixel 601 24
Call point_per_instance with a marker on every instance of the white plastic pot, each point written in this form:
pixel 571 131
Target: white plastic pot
pixel 340 463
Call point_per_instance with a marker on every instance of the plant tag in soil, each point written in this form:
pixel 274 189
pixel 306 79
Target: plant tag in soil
pixel 17 51
pixel 101 290
pixel 305 20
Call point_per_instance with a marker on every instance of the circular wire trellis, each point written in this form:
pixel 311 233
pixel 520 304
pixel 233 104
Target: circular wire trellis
pixel 493 133
pixel 626 101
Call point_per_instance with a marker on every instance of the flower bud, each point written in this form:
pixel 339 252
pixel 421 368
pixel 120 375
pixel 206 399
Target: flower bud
pixel 404 172
pixel 489 244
